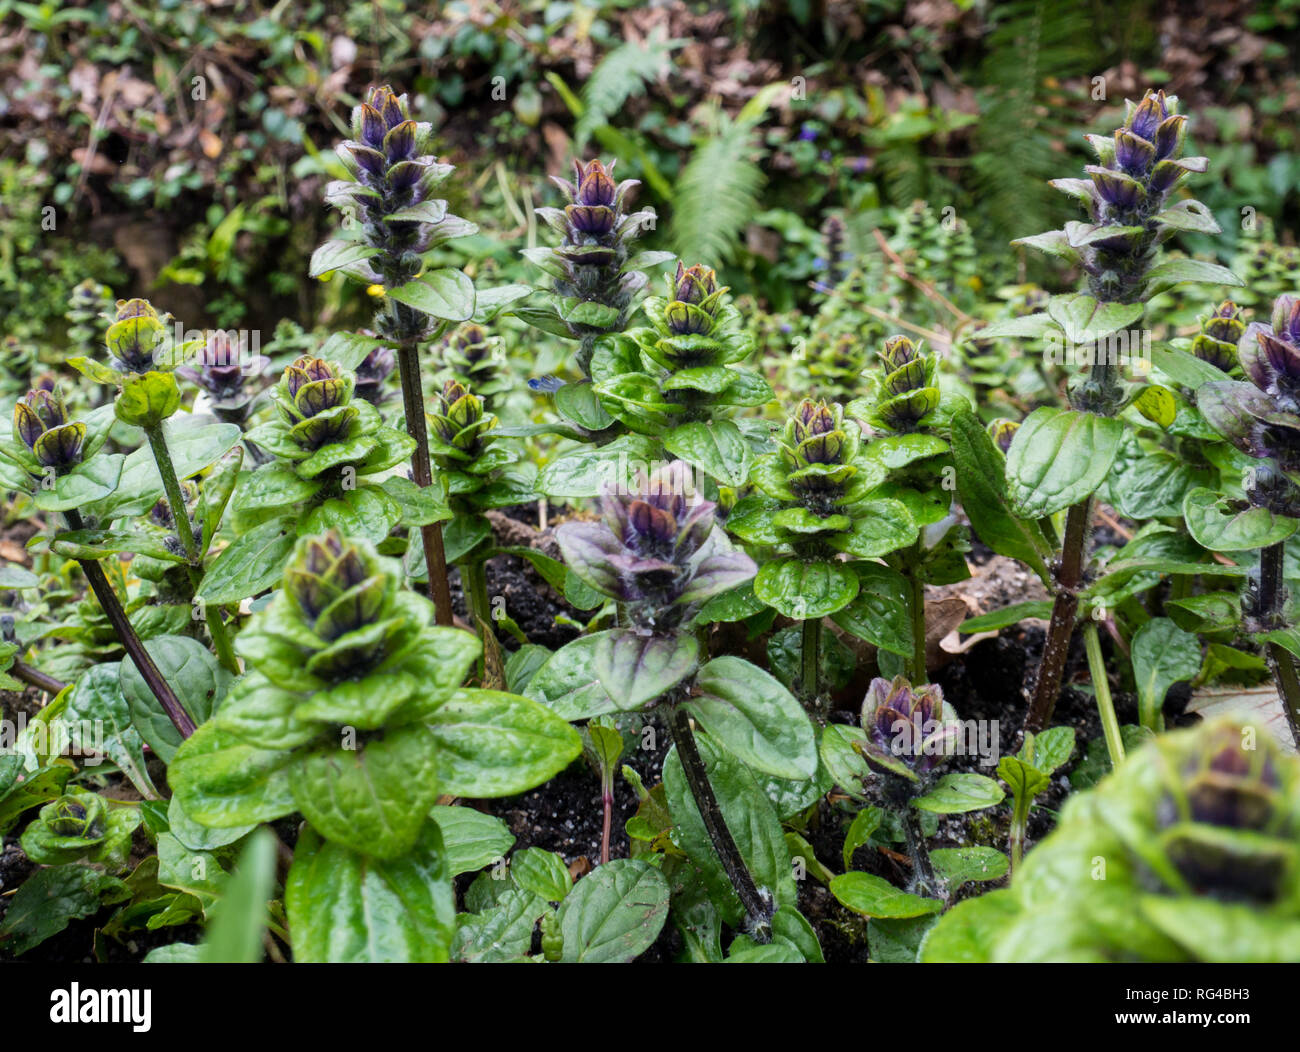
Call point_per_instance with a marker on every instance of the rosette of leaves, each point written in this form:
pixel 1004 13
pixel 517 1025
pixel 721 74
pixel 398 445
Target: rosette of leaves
pixel 328 445
pixel 659 554
pixel 352 711
pixel 905 392
pixel 817 499
pixel 390 194
pixel 595 275
pixel 53 457
pixel 1189 851
pixel 907 415
pixel 679 377
pixel 80 827
pixel 908 734
pixel 476 471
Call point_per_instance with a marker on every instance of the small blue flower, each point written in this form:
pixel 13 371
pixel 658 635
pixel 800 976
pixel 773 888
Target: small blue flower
pixel 546 384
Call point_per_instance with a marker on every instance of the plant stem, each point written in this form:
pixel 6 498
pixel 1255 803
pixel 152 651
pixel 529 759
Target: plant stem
pixel 607 802
pixel 926 882
pixel 473 577
pixel 34 677
pixel 181 520
pixel 1272 600
pixel 112 608
pixel 1019 829
pixel 435 559
pixel 1101 687
pixel 759 907
pixel 1057 646
pixel 810 656
pixel 917 671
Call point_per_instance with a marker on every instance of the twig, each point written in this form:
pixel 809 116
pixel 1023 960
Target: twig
pixel 34 677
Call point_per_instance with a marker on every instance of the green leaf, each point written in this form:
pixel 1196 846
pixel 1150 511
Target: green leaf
pixel 873 896
pixel 968 932
pixel 490 743
pixel 755 718
pixel 864 824
pixel 234 934
pixel 1006 616
pixel 804 590
pixel 470 838
pixel 95 479
pixel 635 669
pixel 1023 779
pixel 373 799
pixel 981 485
pixel 1185 368
pixel 963 865
pixel 716 447
pixel 1057 458
pixel 195 677
pixel 445 293
pixel 488 303
pixel 1171 272
pixel 1084 319
pixel 1190 216
pixel 502 933
pixel 544 873
pixel 21 790
pixel 1163 654
pixel 250 565
pixel 958 793
pixel 614 913
pixel 97 702
pixel 366 512
pixel 569 685
pixel 581 473
pixel 879 527
pixel 881 612
pixel 336 254
pixel 346 907
pixel 49 900
pixel 1029 326
pixel 579 403
pixel 100 544
pixel 1048 749
pixel 223 782
pixel 193 450
pixel 1220 524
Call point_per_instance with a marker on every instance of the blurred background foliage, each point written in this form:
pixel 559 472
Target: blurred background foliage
pixel 178 148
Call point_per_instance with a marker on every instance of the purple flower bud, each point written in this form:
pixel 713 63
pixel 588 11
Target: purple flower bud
pixel 1148 115
pixel 910 730
pixel 595 185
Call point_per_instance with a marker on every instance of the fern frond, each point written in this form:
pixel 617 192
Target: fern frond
pixel 717 194
pixel 621 75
